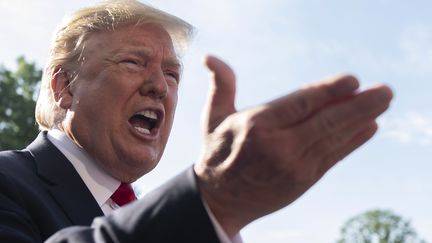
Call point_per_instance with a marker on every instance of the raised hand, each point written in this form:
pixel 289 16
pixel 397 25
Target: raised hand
pixel 259 160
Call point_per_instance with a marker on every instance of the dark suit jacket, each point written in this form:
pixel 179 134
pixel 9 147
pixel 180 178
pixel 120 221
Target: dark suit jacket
pixel 41 193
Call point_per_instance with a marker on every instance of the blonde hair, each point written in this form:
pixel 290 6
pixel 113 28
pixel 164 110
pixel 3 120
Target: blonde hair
pixel 69 41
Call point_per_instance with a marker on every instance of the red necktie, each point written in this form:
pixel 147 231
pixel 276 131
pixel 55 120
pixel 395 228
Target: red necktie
pixel 123 195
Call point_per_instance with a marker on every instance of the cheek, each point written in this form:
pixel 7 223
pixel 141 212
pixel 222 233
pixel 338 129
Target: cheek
pixel 173 104
pixel 170 107
pixel 174 95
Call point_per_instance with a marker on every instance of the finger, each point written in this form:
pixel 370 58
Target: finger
pixel 321 149
pixel 221 98
pixel 295 107
pixel 358 110
pixel 337 155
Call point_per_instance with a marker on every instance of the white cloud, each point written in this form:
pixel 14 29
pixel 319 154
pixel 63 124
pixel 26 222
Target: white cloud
pixel 411 128
pixel 275 235
pixel 283 234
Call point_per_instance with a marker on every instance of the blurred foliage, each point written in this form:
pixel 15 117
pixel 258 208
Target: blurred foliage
pixel 17 104
pixel 378 226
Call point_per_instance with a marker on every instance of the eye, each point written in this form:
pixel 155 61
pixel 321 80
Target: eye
pixel 173 76
pixel 131 61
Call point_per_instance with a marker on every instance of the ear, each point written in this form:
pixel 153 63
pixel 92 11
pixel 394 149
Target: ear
pixel 60 88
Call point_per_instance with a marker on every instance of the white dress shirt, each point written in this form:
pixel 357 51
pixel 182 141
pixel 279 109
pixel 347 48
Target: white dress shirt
pixel 101 184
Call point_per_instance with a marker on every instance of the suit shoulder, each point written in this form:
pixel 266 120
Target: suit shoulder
pixel 15 161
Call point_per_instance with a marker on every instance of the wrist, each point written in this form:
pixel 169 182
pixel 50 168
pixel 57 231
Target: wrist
pixel 220 204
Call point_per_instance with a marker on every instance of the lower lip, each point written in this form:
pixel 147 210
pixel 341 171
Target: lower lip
pixel 142 136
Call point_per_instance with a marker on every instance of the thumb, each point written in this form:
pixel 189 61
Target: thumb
pixel 221 98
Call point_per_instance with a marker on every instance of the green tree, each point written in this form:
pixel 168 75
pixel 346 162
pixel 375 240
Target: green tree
pixel 17 103
pixel 378 226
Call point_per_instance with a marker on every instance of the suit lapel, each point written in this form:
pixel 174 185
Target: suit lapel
pixel 64 183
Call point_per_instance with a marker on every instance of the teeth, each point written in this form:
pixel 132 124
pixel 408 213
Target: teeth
pixel 149 114
pixel 142 130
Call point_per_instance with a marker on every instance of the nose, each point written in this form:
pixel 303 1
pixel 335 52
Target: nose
pixel 154 85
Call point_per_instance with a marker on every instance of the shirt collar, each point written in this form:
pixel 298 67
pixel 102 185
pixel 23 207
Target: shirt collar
pixel 101 184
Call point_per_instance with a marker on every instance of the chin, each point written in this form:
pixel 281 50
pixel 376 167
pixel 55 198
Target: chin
pixel 141 167
pixel 135 163
pixel 131 174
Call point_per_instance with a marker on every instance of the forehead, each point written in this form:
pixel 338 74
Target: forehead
pixel 148 39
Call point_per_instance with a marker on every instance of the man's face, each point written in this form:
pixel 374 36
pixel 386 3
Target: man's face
pixel 124 99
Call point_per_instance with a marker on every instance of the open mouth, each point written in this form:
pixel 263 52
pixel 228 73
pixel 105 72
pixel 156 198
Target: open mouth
pixel 145 121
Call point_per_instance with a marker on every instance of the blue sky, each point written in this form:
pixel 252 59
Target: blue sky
pixel 276 46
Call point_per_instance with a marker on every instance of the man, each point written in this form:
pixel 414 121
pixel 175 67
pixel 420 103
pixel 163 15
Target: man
pixel 106 107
